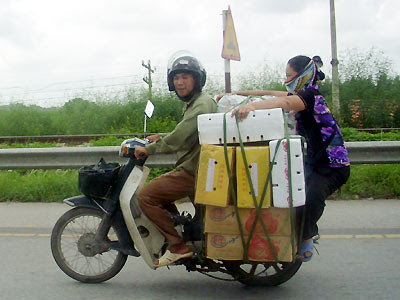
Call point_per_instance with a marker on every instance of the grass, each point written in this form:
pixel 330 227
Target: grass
pixel 38 185
pixel 372 181
pixel 366 181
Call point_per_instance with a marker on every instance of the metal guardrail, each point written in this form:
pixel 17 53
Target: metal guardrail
pixel 374 152
pixel 75 157
pixel 70 157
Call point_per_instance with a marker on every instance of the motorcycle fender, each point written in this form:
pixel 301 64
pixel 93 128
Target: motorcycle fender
pixel 149 246
pixel 83 201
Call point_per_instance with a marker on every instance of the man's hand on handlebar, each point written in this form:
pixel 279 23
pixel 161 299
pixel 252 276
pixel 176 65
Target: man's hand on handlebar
pixel 153 137
pixel 141 153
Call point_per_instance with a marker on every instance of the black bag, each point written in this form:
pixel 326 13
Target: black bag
pixel 96 180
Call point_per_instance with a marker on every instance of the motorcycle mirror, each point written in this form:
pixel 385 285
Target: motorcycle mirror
pixel 149 109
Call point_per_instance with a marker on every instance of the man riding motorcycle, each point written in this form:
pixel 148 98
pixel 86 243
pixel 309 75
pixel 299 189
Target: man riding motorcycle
pixel 186 76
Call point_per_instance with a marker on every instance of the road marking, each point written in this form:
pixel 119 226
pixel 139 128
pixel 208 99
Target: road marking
pixel 392 236
pixel 24 235
pixel 369 236
pixel 337 236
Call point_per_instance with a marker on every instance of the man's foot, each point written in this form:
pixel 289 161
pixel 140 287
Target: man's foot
pixel 175 253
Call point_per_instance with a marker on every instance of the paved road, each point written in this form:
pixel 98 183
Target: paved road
pixel 340 217
pixel 359 260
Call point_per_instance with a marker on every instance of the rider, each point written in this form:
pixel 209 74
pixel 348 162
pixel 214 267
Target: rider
pixel 327 162
pixel 186 76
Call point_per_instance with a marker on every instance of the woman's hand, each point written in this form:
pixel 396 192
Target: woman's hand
pixel 219 96
pixel 243 111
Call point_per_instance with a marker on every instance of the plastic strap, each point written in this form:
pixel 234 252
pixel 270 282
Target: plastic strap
pixel 258 208
pixel 233 193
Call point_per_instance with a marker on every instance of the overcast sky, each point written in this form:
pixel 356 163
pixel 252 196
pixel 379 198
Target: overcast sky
pixel 49 46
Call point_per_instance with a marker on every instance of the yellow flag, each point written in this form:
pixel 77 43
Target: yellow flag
pixel 230 49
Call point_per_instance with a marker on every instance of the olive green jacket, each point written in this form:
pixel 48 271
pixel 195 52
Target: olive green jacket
pixel 184 139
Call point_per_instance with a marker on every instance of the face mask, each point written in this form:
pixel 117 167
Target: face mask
pixel 291 86
pixel 302 80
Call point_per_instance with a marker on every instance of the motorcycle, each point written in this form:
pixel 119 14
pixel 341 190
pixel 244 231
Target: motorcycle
pixel 91 242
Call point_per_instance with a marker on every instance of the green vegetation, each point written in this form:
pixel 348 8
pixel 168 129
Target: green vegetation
pixel 366 181
pixel 45 185
pixel 353 135
pixel 79 116
pixel 372 181
pixel 38 185
pixel 369 95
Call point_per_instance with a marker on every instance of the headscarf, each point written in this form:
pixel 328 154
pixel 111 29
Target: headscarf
pixel 302 79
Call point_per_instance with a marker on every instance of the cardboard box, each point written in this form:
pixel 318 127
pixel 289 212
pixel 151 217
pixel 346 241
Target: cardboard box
pixel 230 247
pixel 280 173
pixel 258 163
pixel 212 178
pixel 260 125
pixel 224 220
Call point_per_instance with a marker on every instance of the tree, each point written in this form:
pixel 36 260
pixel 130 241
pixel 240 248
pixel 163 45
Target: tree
pixel 364 64
pixel 367 89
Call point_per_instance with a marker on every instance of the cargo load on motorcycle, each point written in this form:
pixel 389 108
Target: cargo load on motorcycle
pixel 250 179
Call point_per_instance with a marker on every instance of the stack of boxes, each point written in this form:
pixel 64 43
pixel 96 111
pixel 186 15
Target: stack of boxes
pixel 224 240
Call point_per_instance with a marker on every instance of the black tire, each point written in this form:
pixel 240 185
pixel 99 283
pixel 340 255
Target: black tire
pixel 262 274
pixel 76 227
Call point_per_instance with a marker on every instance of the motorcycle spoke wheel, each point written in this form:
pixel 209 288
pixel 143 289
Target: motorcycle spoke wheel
pixel 262 274
pixel 75 252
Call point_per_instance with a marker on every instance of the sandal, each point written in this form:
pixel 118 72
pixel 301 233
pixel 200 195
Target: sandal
pixel 169 258
pixel 306 246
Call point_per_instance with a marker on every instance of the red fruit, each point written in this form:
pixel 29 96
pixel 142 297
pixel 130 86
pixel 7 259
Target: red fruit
pixel 259 249
pixel 271 223
pixel 218 241
pixel 217 213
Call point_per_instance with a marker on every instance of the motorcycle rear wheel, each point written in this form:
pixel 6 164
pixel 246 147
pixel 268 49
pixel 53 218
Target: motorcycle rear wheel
pixel 71 246
pixel 262 274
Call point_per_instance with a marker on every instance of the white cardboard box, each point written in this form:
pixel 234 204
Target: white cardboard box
pixel 280 173
pixel 260 125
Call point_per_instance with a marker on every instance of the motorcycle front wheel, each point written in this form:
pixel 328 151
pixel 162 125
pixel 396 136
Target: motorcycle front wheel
pixel 262 274
pixel 74 248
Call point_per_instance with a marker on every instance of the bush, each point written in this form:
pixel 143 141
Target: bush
pixel 372 181
pixel 353 135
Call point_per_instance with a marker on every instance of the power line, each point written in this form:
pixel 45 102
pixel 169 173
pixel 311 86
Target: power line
pixel 39 95
pixel 38 91
pixel 9 98
pixel 73 81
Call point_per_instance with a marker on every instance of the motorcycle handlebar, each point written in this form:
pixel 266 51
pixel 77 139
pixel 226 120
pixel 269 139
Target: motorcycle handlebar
pixel 128 147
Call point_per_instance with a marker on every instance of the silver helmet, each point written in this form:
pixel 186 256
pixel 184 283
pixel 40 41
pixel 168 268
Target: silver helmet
pixel 185 62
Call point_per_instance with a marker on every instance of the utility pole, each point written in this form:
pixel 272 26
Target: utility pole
pixel 334 63
pixel 149 107
pixel 147 78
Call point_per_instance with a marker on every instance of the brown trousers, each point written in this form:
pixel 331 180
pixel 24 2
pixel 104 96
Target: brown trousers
pixel 157 201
